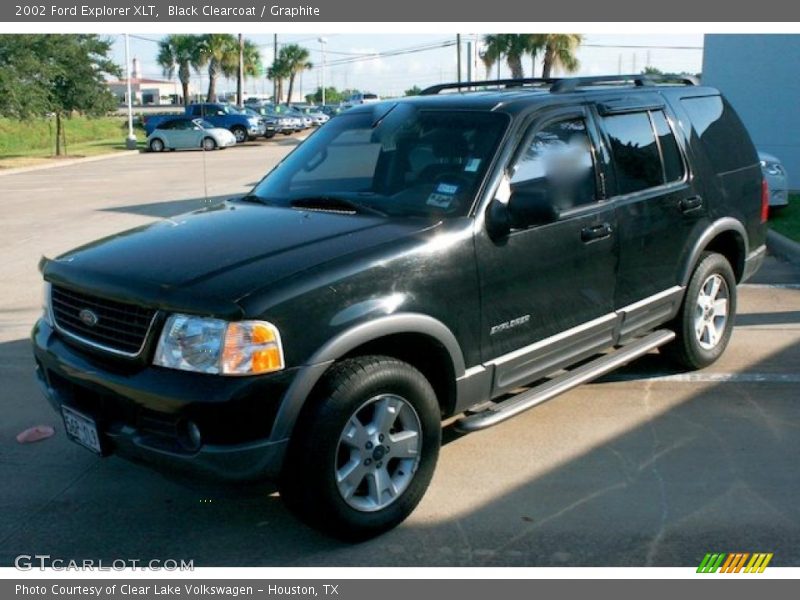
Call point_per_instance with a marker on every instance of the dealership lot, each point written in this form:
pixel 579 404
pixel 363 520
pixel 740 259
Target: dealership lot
pixel 648 466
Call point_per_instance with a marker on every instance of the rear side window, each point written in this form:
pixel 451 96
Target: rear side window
pixel 721 132
pixel 633 146
pixel 644 150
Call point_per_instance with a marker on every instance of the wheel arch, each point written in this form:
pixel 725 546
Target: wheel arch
pixel 726 236
pixel 422 341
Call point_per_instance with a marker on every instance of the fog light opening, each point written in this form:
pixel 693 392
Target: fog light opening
pixel 189 436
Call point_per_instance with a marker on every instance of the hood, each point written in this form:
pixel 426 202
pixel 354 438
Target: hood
pixel 223 252
pixel 767 157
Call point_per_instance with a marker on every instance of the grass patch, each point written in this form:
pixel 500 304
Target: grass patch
pixel 786 220
pixel 32 141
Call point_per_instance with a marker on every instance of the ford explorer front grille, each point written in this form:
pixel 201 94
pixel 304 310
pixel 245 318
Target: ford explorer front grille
pixel 116 327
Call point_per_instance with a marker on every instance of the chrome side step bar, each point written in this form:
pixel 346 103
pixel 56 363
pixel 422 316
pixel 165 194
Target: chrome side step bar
pixel 500 411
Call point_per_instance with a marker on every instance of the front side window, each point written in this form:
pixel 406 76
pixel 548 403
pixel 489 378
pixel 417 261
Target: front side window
pixel 397 159
pixel 557 162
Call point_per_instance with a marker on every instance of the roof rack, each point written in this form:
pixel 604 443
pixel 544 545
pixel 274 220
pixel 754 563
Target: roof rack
pixel 560 85
pixel 571 84
pixel 507 83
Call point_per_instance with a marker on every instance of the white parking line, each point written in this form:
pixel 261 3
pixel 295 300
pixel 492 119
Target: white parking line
pixel 770 286
pixel 710 377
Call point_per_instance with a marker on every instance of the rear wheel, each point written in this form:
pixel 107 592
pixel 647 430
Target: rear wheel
pixel 240 133
pixel 364 449
pixel 209 143
pixel 156 145
pixel 704 326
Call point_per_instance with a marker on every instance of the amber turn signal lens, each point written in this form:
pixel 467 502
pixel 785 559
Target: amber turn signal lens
pixel 250 348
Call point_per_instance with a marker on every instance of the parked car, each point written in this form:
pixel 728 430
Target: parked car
pixel 361 98
pixel 316 115
pixel 776 178
pixel 269 123
pixel 302 121
pixel 242 126
pixel 469 255
pixel 283 123
pixel 183 133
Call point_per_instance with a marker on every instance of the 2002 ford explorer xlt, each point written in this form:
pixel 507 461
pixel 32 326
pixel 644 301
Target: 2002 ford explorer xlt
pixel 412 260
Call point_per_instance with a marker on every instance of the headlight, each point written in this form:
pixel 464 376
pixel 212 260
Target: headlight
pixel 215 346
pixel 47 311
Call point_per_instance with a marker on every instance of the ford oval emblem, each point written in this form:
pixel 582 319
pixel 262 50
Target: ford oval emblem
pixel 88 318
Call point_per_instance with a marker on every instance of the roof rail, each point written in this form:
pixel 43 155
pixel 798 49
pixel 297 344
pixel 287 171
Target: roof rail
pixel 507 83
pixel 560 85
pixel 573 83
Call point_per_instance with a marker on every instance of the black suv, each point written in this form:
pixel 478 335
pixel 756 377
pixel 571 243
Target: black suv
pixel 413 260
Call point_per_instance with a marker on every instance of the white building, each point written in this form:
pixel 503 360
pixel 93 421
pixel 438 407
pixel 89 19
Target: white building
pixel 148 92
pixel 760 76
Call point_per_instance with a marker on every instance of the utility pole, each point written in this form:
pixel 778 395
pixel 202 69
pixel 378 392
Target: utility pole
pixel 240 74
pixel 275 58
pixel 130 141
pixel 458 56
pixel 322 42
pixel 469 61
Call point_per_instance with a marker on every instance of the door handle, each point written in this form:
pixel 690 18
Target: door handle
pixel 690 203
pixel 596 232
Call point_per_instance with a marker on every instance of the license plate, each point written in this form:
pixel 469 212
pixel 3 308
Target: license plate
pixel 81 429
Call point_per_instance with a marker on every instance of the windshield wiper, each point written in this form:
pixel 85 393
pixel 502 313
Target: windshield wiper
pixel 336 204
pixel 254 198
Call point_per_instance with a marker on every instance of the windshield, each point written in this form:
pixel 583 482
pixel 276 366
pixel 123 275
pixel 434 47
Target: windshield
pixel 203 124
pixel 395 159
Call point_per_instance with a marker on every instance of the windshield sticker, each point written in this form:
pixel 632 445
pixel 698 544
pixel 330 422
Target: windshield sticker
pixel 472 165
pixel 440 200
pixel 447 188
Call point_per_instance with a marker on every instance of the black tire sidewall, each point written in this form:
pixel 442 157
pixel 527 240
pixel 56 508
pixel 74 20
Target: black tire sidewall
pixel 213 143
pixel 309 479
pixel 157 141
pixel 710 264
pixel 243 133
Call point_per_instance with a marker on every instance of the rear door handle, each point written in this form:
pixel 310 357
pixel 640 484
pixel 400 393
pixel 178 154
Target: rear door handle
pixel 596 232
pixel 690 203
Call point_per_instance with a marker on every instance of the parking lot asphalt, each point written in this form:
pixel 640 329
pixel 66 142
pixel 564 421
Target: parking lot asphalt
pixel 649 466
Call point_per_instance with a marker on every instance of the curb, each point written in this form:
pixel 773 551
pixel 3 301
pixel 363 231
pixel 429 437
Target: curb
pixel 781 246
pixel 67 163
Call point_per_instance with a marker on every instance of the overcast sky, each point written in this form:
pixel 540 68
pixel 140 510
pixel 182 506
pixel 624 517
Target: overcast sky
pixel 391 75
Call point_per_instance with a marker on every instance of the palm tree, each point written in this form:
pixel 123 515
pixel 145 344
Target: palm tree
pixel 277 72
pixel 512 46
pixel 559 52
pixel 221 52
pixel 295 59
pixel 251 59
pixel 180 53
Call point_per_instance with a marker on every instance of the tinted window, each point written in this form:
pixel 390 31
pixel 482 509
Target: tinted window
pixel 673 164
pixel 723 136
pixel 167 125
pixel 633 146
pixel 558 162
pixel 396 158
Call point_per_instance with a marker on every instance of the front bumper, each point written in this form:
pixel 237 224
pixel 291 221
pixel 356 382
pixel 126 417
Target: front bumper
pixel 141 413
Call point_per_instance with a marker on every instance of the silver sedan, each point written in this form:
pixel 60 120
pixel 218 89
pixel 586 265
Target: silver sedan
pixel 777 180
pixel 183 133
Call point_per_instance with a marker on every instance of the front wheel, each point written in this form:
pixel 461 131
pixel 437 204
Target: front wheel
pixel 704 325
pixel 156 145
pixel 364 449
pixel 209 144
pixel 240 133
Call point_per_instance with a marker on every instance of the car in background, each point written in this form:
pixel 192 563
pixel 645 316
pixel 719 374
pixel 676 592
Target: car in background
pixel 283 123
pixel 242 126
pixel 361 98
pixel 332 109
pixel 184 133
pixel 269 122
pixel 315 114
pixel 302 121
pixel 776 178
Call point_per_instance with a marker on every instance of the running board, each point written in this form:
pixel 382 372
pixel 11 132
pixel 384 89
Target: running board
pixel 500 411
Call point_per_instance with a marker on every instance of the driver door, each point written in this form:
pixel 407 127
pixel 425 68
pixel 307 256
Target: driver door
pixel 547 290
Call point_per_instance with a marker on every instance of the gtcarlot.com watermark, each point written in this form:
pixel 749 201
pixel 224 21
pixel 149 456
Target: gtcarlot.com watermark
pixel 30 562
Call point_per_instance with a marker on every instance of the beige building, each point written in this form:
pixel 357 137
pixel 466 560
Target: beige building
pixel 148 92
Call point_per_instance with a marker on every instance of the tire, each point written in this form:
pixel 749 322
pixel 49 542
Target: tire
pixel 156 145
pixel 240 133
pixel 208 144
pixel 702 330
pixel 340 432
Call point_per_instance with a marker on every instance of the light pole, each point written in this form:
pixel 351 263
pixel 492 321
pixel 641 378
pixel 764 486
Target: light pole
pixel 130 141
pixel 322 41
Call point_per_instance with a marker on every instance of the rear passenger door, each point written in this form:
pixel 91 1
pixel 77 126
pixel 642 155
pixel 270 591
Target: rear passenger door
pixel 656 204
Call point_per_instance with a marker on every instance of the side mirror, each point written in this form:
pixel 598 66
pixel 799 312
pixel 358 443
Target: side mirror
pixel 529 207
pixel 220 113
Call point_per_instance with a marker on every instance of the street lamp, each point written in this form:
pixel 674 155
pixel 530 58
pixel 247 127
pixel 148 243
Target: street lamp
pixel 322 42
pixel 130 141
